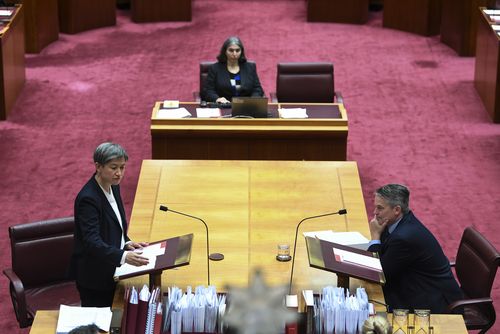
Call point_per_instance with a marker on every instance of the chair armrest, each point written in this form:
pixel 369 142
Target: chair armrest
pixel 273 97
pixel 472 301
pixel 18 297
pixel 339 97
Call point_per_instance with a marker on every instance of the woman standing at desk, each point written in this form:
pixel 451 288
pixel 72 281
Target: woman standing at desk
pixel 101 241
pixel 232 75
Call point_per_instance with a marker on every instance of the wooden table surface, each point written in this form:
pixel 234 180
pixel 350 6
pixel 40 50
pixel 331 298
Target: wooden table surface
pixel 250 207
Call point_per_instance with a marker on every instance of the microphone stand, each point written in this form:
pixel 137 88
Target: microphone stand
pixel 340 212
pixel 214 256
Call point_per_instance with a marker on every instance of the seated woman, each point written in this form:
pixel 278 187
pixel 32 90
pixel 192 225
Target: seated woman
pixel 231 75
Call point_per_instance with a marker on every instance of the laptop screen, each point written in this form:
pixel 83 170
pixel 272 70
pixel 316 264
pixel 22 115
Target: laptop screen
pixel 251 107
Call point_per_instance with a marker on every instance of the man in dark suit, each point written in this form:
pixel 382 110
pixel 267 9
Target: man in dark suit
pixel 100 241
pixel 232 75
pixel 418 274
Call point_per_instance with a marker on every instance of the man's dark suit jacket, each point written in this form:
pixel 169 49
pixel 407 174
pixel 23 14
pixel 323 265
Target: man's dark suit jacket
pixel 218 82
pixel 97 237
pixel 418 274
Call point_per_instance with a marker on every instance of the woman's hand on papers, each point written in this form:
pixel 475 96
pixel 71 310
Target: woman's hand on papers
pixel 135 245
pixel 136 259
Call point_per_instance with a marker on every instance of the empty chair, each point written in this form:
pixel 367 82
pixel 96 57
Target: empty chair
pixel 306 82
pixel 476 266
pixel 41 254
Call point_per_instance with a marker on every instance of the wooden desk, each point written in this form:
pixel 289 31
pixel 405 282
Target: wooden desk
pixel 487 70
pixel 250 207
pixel 250 139
pixel 12 74
pixel 41 23
pixel 459 24
pixel 79 15
pixel 160 10
pixel 343 11
pixel 416 16
pixel 46 323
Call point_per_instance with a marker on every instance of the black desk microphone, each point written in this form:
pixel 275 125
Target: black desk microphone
pixel 213 256
pixel 340 212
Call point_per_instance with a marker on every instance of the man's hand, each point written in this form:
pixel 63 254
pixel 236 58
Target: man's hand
pixel 377 226
pixel 136 259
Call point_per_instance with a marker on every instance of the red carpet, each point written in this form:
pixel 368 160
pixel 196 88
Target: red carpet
pixel 414 115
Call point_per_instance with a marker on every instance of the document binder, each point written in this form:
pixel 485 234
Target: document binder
pixel 321 255
pixel 177 253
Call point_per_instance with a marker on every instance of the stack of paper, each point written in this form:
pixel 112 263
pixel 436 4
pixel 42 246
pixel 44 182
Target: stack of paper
pixel 341 313
pixel 74 316
pixel 173 113
pixel 292 113
pixel 208 112
pixel 151 252
pixel 343 238
pixel 193 312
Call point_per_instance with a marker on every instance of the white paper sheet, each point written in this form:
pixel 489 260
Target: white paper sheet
pixel 358 259
pixel 208 112
pixel 492 11
pixel 293 113
pixel 151 252
pixel 343 238
pixel 173 113
pixel 74 316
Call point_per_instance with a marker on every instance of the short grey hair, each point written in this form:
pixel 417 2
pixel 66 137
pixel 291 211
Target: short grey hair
pixel 394 195
pixel 106 152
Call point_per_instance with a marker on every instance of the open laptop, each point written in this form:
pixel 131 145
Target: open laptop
pixel 251 107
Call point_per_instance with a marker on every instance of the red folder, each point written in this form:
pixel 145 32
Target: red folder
pixel 132 310
pixel 142 317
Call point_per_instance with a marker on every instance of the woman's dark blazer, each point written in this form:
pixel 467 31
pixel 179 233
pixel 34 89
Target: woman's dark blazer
pixel 218 82
pixel 97 237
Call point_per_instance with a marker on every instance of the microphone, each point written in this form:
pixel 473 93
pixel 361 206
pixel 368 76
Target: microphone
pixel 340 212
pixel 214 256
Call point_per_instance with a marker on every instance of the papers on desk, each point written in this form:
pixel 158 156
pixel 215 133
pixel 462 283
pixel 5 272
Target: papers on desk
pixel 193 312
pixel 74 316
pixel 338 312
pixel 492 11
pixel 357 259
pixel 343 238
pixel 173 113
pixel 292 113
pixel 6 12
pixel 208 112
pixel 170 104
pixel 151 252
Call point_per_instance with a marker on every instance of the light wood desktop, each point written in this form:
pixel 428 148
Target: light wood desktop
pixel 46 322
pixel 252 139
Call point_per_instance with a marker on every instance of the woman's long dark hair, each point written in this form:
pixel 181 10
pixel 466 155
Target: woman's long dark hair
pixel 222 58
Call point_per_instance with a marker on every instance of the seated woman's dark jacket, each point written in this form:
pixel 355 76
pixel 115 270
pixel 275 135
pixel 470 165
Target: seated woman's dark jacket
pixel 218 82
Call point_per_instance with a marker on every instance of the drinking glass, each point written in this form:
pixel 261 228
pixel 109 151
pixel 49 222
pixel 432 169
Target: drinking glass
pixel 422 321
pixel 400 321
